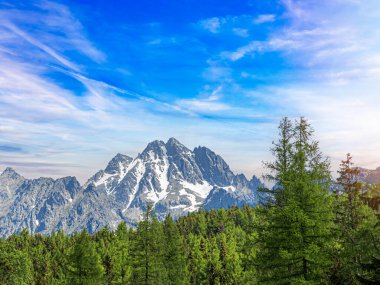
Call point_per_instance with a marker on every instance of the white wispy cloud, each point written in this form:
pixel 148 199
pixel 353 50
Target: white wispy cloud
pixel 38 113
pixel 212 25
pixel 318 44
pixel 208 103
pixel 238 25
pixel 241 32
pixel 48 50
pixel 55 29
pixel 334 46
pixel 60 18
pixel 345 117
pixel 52 123
pixel 334 54
pixel 265 18
pixel 217 73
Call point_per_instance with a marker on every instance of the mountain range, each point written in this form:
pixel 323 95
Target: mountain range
pixel 172 177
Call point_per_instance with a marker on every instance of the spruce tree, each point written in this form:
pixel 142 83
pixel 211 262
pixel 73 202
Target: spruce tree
pixel 357 230
pixel 214 265
pixel 148 251
pixel 59 248
pixel 294 234
pixel 174 254
pixel 279 169
pixel 231 268
pixel 120 256
pixel 196 259
pixel 84 265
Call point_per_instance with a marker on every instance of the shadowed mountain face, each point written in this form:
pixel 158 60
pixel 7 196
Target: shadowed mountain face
pixel 169 175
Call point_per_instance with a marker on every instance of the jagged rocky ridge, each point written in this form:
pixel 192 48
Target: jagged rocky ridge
pixel 171 176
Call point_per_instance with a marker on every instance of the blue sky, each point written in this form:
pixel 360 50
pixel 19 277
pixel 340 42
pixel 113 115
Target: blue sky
pixel 83 80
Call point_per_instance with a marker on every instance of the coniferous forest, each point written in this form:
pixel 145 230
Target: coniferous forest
pixel 307 229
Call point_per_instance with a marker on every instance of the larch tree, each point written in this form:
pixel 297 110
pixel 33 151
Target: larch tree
pixel 295 224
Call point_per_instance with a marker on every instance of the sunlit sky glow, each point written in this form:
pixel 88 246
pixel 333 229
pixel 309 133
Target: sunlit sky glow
pixel 83 80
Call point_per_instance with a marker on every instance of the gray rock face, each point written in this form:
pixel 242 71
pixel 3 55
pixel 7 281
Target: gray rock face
pixel 169 175
pixel 243 192
pixel 214 168
pixel 38 204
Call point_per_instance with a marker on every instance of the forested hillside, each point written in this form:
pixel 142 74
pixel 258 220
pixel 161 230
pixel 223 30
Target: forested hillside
pixel 302 232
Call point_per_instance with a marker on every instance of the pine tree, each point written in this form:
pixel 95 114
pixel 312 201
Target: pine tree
pixel 214 265
pixel 120 256
pixel 58 245
pixel 279 169
pixel 196 259
pixel 42 260
pixel 148 251
pixel 174 256
pixel 358 232
pixel 231 269
pixel 296 222
pixel 84 265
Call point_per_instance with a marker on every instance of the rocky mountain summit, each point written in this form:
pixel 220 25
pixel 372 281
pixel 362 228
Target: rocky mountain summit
pixel 169 175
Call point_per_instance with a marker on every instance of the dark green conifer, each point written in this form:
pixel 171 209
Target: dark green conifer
pixel 296 221
pixel 84 264
pixel 148 251
pixel 174 254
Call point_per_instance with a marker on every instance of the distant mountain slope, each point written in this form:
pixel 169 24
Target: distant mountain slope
pixel 370 176
pixel 169 175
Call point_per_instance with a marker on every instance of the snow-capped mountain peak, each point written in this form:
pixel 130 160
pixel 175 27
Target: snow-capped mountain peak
pixel 9 173
pixel 169 175
pixel 118 164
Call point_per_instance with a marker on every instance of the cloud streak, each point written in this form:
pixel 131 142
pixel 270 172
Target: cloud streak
pixel 63 98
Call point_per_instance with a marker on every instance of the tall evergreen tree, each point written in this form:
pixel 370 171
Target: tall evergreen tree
pixel 84 265
pixel 231 268
pixel 279 169
pixel 120 256
pixel 357 228
pixel 196 258
pixel 148 252
pixel 296 222
pixel 58 245
pixel 174 254
pixel 214 265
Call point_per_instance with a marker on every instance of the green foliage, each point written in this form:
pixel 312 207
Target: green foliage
pixel 299 234
pixel 148 252
pixel 174 258
pixel 84 266
pixel 120 271
pixel 296 220
pixel 15 266
pixel 357 254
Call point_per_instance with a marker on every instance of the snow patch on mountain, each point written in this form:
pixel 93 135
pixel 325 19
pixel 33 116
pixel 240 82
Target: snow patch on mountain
pixel 172 177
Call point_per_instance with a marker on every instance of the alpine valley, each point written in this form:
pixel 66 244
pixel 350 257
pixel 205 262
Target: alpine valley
pixel 172 177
